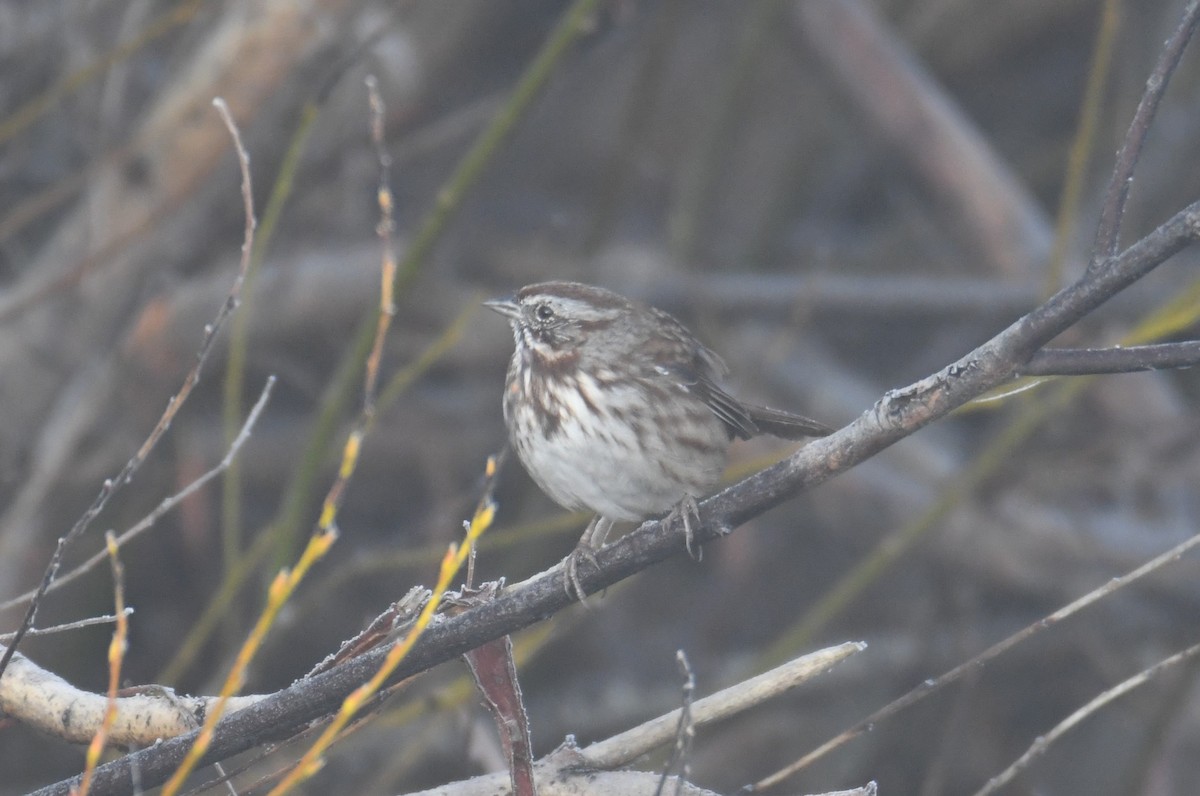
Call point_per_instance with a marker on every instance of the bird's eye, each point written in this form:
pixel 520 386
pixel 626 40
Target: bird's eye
pixel 543 312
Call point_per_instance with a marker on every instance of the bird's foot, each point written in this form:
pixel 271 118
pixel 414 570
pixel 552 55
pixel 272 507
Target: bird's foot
pixel 687 512
pixel 591 541
pixel 572 584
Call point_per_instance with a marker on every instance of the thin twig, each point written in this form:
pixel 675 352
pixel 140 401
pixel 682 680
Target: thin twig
pixel 1089 361
pixel 685 730
pixel 162 508
pixel 383 320
pixel 982 659
pixel 1082 145
pixel 247 205
pixel 106 619
pixel 1044 742
pixel 116 657
pixel 386 231
pixel 112 485
pixel 1108 233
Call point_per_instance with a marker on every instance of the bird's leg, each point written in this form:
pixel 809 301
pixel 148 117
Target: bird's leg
pixel 685 511
pixel 591 541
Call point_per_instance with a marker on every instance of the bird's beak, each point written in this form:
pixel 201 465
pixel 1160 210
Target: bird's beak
pixel 505 306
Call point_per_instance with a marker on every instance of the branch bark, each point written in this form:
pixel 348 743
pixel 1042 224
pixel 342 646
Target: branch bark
pixel 1130 359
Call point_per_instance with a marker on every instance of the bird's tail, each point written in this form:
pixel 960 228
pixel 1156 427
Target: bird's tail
pixel 785 425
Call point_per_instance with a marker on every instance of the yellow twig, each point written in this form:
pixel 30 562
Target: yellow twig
pixel 452 562
pixel 116 657
pixel 281 589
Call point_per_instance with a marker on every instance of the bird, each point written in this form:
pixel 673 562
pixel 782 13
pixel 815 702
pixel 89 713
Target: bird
pixel 613 406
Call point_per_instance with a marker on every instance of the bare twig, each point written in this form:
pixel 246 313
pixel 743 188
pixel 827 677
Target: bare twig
pixel 247 205
pixel 991 653
pixel 106 619
pixel 685 730
pixel 1108 233
pixel 1044 742
pixel 162 508
pixel 116 657
pixel 112 485
pixel 1086 361
pixel 386 232
pixel 622 749
pixel 1082 144
pixel 383 320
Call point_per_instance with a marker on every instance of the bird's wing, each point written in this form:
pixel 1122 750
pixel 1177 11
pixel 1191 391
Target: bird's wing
pixel 723 405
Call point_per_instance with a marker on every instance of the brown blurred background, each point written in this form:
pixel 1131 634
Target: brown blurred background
pixel 734 163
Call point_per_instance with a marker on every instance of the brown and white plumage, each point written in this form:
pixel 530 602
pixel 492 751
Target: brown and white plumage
pixel 613 406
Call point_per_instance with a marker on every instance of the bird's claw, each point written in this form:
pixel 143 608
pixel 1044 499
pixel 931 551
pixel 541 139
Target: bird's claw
pixel 572 585
pixel 591 541
pixel 685 511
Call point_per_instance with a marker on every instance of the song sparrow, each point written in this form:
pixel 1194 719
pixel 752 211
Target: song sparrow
pixel 613 406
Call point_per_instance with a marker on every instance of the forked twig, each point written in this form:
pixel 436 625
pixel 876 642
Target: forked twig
pixel 112 485
pixel 168 504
